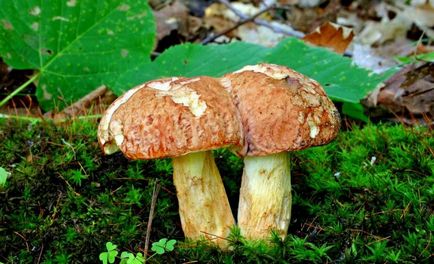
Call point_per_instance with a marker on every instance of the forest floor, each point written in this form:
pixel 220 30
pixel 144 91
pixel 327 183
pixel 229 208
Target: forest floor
pixel 366 197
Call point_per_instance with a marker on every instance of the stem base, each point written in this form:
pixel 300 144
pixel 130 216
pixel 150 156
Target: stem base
pixel 265 196
pixel 203 205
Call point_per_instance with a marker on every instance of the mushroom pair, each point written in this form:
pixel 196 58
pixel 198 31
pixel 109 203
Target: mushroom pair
pixel 260 111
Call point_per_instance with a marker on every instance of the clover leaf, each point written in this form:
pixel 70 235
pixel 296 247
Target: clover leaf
pixel 163 245
pixel 110 255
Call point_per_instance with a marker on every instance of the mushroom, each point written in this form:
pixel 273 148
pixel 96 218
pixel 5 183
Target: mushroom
pixel 183 119
pixel 281 110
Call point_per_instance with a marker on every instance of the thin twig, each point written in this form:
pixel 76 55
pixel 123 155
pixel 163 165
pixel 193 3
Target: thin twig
pixel 40 254
pixel 276 27
pixel 233 9
pixel 67 183
pixel 427 245
pixel 80 105
pixel 19 89
pixel 25 240
pixel 242 22
pixel 151 216
pixel 378 238
pixel 21 117
pixel 40 119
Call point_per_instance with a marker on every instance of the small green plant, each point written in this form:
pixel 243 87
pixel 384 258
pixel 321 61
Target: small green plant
pixel 163 245
pixel 76 177
pixel 110 255
pixel 428 57
pixel 3 177
pixel 133 196
pixel 130 258
pixel 160 247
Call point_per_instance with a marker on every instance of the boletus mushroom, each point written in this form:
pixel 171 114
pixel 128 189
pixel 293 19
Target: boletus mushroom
pixel 281 111
pixel 183 119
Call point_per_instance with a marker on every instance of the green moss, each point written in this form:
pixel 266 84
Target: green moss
pixel 366 197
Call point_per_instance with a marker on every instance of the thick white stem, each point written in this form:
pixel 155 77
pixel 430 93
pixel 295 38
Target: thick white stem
pixel 203 205
pixel 265 196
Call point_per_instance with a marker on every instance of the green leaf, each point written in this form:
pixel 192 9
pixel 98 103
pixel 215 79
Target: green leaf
pixel 139 259
pixel 104 257
pixel 159 247
pixel 355 110
pixel 213 60
pixel 126 254
pixel 429 57
pixel 129 258
pixel 163 245
pixel 342 80
pixel 193 60
pixel 3 176
pixel 110 246
pixel 110 255
pixel 170 245
pixel 76 46
pixel 404 60
pixel 125 257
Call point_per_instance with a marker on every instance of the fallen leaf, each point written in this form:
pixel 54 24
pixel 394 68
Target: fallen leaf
pixel 387 30
pixel 260 35
pixel 380 59
pixel 422 16
pixel 216 19
pixel 194 24
pixel 171 17
pixel 332 36
pixel 309 3
pixel 220 18
pixel 410 91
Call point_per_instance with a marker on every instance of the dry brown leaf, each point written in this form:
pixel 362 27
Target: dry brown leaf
pixel 194 24
pixel 332 36
pixel 171 17
pixel 302 3
pixel 260 35
pixel 422 16
pixel 411 90
pixel 215 18
pixel 220 18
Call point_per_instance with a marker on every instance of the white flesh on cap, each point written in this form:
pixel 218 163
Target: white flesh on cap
pixel 181 94
pixel 265 196
pixel 203 205
pixel 187 97
pixel 269 70
pixel 106 136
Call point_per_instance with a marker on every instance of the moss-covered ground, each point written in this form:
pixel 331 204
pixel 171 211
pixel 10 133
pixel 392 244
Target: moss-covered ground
pixel 366 197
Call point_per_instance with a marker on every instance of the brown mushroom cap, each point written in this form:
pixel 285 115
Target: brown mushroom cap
pixel 170 117
pixel 281 109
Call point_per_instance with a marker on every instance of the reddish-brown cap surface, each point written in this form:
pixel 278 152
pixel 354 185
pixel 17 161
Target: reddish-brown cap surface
pixel 169 118
pixel 281 110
